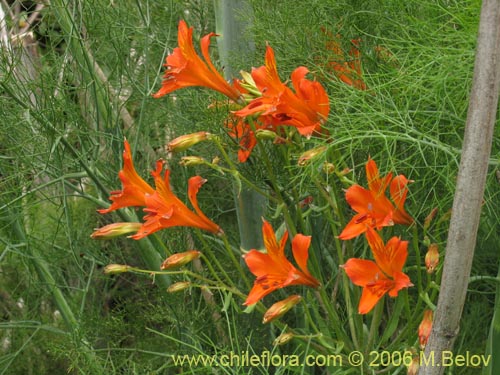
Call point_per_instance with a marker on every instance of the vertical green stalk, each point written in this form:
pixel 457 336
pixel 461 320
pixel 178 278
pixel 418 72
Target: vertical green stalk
pixel 232 19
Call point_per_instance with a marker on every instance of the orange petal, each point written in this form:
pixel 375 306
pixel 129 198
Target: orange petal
pixel 398 191
pixel 194 185
pixel 382 259
pixel 401 281
pixel 134 187
pixel 376 184
pixel 362 271
pixel 262 287
pixel 300 250
pixel 275 251
pixel 259 263
pixel 360 199
pixel 354 228
pixel 397 252
pixel 372 294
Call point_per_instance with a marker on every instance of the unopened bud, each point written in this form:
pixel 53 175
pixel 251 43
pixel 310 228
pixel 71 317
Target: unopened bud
pixel 432 258
pixel 344 171
pixel 306 201
pixel 188 161
pixel 177 287
pixel 265 134
pixel 180 259
pixel 429 218
pixel 328 168
pixel 280 308
pixel 445 217
pixel 114 230
pixel 307 156
pixel 185 141
pixel 283 338
pixel 425 328
pixel 414 366
pixel 111 269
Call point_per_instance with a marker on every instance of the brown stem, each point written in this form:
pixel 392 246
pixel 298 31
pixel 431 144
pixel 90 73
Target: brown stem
pixel 470 189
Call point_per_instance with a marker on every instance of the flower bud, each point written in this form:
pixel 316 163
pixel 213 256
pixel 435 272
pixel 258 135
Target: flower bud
pixel 265 134
pixel 283 338
pixel 425 328
pixel 307 156
pixel 112 269
pixel 180 259
pixel 345 171
pixel 432 258
pixel 188 161
pixel 280 308
pixel 328 168
pixel 177 287
pixel 414 366
pixel 306 201
pixel 185 141
pixel 429 218
pixel 114 230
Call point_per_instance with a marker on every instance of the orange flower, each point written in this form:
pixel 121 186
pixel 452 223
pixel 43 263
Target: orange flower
pixel 373 208
pixel 385 275
pixel 134 187
pixel 348 71
pixel 163 208
pixel 306 109
pixel 273 270
pixel 425 328
pixel 185 68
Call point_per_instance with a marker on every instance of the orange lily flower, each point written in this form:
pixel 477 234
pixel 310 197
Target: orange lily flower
pixel 385 275
pixel 134 187
pixel 373 208
pixel 273 270
pixel 163 208
pixel 350 71
pixel 306 109
pixel 185 68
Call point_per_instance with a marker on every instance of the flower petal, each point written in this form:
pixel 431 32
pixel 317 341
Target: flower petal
pixel 369 299
pixel 259 263
pixel 262 287
pixel 361 271
pixel 134 187
pixel 401 281
pixel 372 293
pixel 398 191
pixel 275 251
pixel 194 185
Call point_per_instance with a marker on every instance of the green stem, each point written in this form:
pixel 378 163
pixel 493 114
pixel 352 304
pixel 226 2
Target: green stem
pixel 375 324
